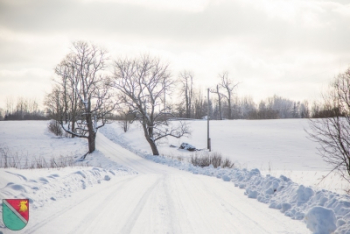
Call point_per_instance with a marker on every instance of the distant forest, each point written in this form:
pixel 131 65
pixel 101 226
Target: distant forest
pixel 196 107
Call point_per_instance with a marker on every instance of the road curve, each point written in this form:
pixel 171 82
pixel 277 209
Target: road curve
pixel 161 199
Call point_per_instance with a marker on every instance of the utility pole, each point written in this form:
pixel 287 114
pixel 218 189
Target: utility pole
pixel 208 138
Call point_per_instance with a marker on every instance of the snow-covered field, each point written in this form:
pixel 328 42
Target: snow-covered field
pixel 252 143
pixel 275 147
pixel 116 191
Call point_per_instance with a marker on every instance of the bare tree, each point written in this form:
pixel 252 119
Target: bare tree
pixel 53 102
pixel 304 109
pixel 9 105
pixel 333 132
pixel 220 96
pixel 127 117
pixel 2 114
pixel 186 91
pixel 71 103
pixel 228 85
pixel 142 85
pixel 199 105
pixel 83 80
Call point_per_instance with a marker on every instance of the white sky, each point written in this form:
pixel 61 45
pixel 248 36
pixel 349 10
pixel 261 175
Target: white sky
pixel 284 47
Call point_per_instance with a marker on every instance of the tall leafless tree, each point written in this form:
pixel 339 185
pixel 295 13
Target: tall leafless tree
pixel 70 98
pixel 199 105
pixel 9 105
pixel 142 85
pixel 186 91
pixel 220 96
pixel 84 84
pixel 333 133
pixel 229 86
pixel 53 102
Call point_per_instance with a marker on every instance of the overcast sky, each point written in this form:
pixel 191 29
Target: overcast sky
pixel 284 47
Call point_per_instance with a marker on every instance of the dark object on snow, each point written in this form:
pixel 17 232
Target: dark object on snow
pixel 188 147
pixel 172 146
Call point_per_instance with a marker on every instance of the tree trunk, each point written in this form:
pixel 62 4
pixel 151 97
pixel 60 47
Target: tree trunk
pixel 153 147
pixel 92 134
pixel 229 106
pixel 92 139
pixel 149 137
pixel 73 126
pixel 187 104
pixel 219 99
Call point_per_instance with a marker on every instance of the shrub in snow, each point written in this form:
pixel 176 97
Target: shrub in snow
pixel 213 159
pixel 320 220
pixel 55 128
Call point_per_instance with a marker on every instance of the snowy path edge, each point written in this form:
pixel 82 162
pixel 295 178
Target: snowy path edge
pixel 293 200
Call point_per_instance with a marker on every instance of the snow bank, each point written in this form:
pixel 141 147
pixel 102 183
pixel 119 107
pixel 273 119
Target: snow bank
pixel 293 200
pixel 320 220
pixel 30 141
pixel 322 210
pixel 51 184
pixel 44 186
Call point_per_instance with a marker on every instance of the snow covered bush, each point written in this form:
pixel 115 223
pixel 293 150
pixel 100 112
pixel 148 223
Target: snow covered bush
pixel 55 128
pixel 4 156
pixel 215 159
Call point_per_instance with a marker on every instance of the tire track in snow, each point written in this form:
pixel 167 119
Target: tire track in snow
pixel 234 220
pixel 226 204
pixel 175 227
pixel 47 220
pixel 99 210
pixel 109 149
pixel 202 211
pixel 128 226
pixel 126 158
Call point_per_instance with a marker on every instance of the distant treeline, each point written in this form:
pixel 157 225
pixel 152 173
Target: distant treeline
pixel 245 108
pixel 241 108
pixel 23 109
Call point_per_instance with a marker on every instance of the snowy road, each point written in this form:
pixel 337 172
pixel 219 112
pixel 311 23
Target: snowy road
pixel 159 199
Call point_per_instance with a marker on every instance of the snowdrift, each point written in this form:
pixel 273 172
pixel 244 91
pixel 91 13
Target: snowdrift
pixel 323 211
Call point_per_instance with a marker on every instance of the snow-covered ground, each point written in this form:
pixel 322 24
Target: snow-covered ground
pixel 280 144
pixel 275 147
pixel 120 192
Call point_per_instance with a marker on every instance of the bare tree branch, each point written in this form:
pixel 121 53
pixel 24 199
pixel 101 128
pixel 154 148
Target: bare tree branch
pixel 83 97
pixel 142 85
pixel 333 133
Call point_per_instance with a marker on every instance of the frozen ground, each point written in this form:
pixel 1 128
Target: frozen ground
pixel 120 192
